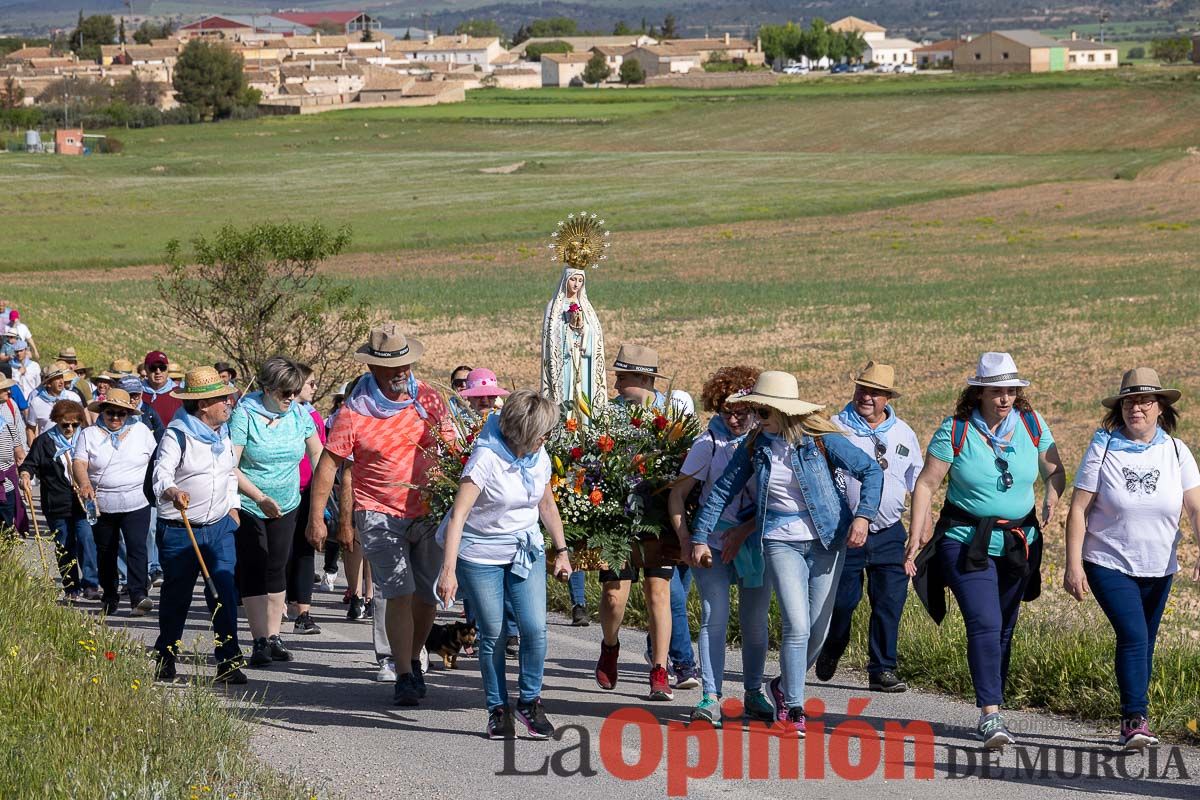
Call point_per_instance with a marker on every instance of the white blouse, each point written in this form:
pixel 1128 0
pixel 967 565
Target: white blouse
pixel 117 474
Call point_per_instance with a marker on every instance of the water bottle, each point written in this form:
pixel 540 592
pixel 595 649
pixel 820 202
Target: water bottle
pixel 93 513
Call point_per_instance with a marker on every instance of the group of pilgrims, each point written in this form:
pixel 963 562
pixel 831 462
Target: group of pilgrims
pixel 147 482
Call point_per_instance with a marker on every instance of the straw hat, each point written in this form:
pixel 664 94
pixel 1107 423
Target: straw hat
pixel 68 354
pixel 6 383
pixel 778 390
pixel 637 359
pixel 104 377
pixel 122 366
pixel 1141 380
pixel 388 347
pixel 117 398
pixel 996 369
pixel 174 371
pixel 59 369
pixel 202 383
pixel 878 376
pixel 483 383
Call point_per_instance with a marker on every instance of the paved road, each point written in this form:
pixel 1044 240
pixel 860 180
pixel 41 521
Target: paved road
pixel 326 718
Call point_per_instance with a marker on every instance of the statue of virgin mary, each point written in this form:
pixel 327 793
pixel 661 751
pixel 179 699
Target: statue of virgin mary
pixel 573 365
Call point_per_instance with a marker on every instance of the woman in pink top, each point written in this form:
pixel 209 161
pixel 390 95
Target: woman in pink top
pixel 303 560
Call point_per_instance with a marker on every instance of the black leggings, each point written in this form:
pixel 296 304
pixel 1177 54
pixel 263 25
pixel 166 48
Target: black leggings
pixel 263 547
pixel 133 527
pixel 302 562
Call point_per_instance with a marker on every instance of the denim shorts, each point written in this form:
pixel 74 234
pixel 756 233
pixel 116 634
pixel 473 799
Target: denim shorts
pixel 404 556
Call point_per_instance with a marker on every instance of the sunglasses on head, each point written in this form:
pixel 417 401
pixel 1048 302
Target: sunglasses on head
pixel 1006 478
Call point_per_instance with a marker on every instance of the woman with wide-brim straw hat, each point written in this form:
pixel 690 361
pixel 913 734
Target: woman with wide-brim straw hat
pixel 804 522
pixel 987 546
pixel 110 462
pixel 194 476
pixel 1123 530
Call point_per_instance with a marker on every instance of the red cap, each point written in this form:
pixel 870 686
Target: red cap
pixel 155 357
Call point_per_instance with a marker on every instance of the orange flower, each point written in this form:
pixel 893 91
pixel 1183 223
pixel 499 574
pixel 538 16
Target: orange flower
pixel 606 443
pixel 639 463
pixel 571 425
pixel 597 497
pixel 579 476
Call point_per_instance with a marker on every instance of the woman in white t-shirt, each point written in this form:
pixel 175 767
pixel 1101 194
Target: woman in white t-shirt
pixel 109 466
pixel 705 462
pixel 1123 530
pixel 494 546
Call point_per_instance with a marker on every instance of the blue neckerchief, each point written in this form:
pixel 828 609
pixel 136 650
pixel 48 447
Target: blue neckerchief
pixel 193 427
pixel 1119 442
pixel 369 400
pixel 150 390
pixel 61 443
pixel 859 426
pixel 115 436
pixel 529 545
pixel 46 396
pixel 490 438
pixel 1001 439
pixel 254 402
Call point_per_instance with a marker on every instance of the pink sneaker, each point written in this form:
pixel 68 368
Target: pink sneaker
pixel 795 718
pixel 781 709
pixel 1135 733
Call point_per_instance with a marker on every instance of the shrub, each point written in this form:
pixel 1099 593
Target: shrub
pixel 631 72
pixel 535 51
pixel 1136 52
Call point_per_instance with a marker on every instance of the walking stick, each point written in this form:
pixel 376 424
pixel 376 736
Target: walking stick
pixel 37 529
pixel 208 581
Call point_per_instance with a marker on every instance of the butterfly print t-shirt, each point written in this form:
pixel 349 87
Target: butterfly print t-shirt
pixel 1133 526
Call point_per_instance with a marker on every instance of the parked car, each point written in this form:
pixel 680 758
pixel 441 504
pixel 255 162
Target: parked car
pixel 837 69
pixel 906 69
pixel 857 68
pixel 795 69
pixel 885 68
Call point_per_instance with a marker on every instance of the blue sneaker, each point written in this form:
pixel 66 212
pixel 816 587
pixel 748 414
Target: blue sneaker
pixel 708 710
pixel 758 706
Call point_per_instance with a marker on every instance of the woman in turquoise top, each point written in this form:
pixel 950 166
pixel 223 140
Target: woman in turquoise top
pixel 271 433
pixel 986 546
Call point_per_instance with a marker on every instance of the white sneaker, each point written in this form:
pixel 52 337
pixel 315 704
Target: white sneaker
pixel 424 661
pixel 387 671
pixel 329 580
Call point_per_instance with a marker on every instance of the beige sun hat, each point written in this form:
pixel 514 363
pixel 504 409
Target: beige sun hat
pixel 117 398
pixel 6 383
pixel 174 371
pixel 68 354
pixel 1141 380
pixel 388 347
pixel 59 369
pixel 201 383
pixel 778 390
pixel 878 376
pixel 637 359
pixel 122 366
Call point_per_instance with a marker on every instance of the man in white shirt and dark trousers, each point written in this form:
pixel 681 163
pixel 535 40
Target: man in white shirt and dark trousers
pixel 871 424
pixel 194 474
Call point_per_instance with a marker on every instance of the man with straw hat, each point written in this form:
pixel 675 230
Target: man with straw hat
pixel 81 383
pixel 390 426
pixel 666 581
pixel 53 389
pixel 871 424
pixel 194 478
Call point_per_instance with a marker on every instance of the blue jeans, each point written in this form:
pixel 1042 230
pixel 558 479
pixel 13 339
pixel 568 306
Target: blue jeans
pixel 180 570
pixel 803 576
pixel 77 551
pixel 882 561
pixel 488 586
pixel 578 598
pixel 1134 607
pixel 990 600
pixel 8 508
pixel 713 584
pixel 510 617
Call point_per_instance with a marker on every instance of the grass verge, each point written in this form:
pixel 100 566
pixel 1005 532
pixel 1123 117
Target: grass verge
pixel 1059 664
pixel 83 716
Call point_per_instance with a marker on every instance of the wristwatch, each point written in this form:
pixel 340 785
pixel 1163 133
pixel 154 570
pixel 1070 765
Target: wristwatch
pixel 558 550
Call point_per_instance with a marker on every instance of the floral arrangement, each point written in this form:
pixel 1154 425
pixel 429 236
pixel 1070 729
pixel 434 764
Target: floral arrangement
pixel 611 474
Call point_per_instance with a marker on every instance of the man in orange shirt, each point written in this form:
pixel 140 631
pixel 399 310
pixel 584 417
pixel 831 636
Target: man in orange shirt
pixel 389 428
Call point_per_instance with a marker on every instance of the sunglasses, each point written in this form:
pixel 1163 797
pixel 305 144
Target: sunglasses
pixel 880 452
pixel 288 395
pixel 115 413
pixel 1006 478
pixel 763 413
pixel 68 426
pixel 156 368
pixel 458 383
pixel 739 411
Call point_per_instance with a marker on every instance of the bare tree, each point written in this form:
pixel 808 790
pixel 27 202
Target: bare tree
pixel 251 293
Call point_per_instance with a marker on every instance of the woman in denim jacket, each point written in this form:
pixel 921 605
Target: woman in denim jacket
pixel 800 540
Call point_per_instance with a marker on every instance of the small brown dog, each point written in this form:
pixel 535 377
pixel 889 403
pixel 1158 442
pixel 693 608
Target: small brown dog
pixel 449 640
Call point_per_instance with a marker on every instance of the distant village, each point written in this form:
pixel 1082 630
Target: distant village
pixel 301 67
